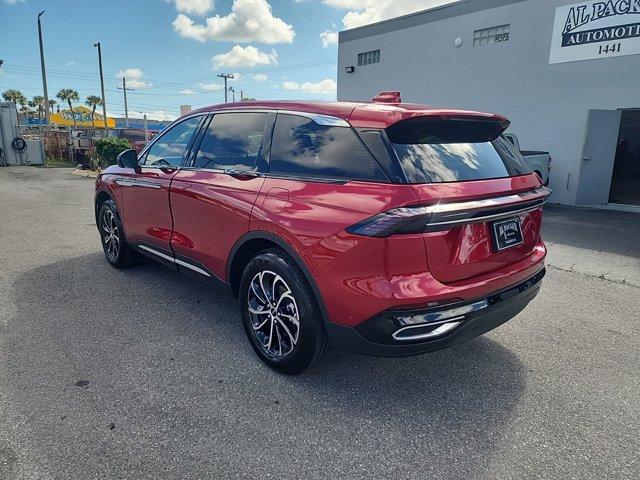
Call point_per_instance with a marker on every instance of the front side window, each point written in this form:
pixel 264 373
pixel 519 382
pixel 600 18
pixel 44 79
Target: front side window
pixel 232 141
pixel 304 148
pixel 171 145
pixel 434 151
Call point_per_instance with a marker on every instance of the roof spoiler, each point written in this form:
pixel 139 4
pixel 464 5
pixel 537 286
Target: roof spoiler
pixel 387 97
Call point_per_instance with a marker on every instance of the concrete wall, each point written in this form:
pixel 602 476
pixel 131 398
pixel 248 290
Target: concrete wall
pixel 547 104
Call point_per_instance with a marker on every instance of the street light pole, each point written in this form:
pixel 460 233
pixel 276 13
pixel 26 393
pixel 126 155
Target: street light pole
pixel 44 74
pixel 104 103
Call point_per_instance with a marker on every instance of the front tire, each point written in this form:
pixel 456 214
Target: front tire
pixel 114 244
pixel 280 314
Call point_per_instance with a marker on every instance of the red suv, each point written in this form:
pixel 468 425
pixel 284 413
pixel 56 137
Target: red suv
pixel 385 228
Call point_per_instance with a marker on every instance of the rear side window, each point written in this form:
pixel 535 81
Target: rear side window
pixel 450 150
pixel 304 148
pixel 232 141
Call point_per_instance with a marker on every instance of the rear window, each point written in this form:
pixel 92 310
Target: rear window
pixel 304 148
pixel 436 150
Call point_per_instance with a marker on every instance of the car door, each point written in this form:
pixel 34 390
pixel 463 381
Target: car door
pixel 212 196
pixel 145 192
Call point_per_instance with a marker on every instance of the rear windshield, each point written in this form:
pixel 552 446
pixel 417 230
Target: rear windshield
pixel 450 150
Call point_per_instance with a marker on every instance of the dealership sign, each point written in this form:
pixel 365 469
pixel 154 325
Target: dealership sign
pixel 596 29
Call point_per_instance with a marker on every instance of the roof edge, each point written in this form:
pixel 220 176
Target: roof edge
pixel 422 17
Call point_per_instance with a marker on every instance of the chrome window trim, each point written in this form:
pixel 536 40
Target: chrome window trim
pixel 319 118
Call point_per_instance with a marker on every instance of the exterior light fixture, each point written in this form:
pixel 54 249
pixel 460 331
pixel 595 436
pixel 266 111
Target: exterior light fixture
pixel 350 69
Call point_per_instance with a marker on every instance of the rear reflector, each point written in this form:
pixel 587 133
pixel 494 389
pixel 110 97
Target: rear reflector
pixel 444 216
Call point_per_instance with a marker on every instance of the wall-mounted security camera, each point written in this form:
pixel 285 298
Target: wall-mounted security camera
pixel 350 69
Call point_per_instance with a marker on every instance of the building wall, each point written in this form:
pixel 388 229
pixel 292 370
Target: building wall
pixel 547 104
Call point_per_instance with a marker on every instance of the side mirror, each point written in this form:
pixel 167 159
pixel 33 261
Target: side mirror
pixel 128 159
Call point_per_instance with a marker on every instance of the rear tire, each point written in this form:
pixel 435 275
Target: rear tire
pixel 114 244
pixel 280 314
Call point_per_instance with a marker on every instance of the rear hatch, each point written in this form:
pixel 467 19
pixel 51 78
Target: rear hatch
pixel 479 205
pixel 468 172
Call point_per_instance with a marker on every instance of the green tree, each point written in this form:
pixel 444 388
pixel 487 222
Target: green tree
pixel 37 103
pixel 108 149
pixel 52 105
pixel 94 102
pixel 69 95
pixel 15 96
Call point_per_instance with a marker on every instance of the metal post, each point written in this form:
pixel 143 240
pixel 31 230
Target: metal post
pixel 44 74
pixel 146 129
pixel 126 109
pixel 226 76
pixel 104 103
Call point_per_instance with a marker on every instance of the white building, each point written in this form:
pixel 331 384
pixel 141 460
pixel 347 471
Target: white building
pixel 566 75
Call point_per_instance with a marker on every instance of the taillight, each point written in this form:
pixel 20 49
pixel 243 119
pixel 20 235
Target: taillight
pixel 444 216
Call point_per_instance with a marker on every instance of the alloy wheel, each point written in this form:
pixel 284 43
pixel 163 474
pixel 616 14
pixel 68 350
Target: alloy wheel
pixel 110 235
pixel 273 313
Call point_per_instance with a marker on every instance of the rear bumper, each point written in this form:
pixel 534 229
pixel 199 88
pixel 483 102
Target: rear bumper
pixel 406 333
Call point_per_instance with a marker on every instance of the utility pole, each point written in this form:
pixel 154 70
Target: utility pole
pixel 233 93
pixel 226 76
pixel 104 103
pixel 44 74
pixel 126 109
pixel 241 96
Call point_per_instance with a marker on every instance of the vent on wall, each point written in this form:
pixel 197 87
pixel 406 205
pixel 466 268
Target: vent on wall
pixel 489 35
pixel 367 58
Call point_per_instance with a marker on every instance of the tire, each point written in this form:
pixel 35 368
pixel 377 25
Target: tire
pixel 285 346
pixel 114 244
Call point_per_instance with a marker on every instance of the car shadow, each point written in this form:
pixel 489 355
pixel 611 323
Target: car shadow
pixel 598 230
pixel 153 353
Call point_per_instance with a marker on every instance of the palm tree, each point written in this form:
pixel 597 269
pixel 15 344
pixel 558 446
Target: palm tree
pixel 69 95
pixel 52 105
pixel 38 102
pixel 15 96
pixel 94 102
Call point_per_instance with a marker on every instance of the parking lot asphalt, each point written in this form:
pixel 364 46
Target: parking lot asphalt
pixel 146 373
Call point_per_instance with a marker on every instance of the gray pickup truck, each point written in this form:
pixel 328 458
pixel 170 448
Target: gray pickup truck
pixel 540 162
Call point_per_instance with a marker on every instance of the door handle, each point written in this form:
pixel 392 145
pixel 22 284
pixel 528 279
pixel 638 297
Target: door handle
pixel 168 169
pixel 586 159
pixel 241 173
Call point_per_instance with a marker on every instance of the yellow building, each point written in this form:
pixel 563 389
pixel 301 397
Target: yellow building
pixel 83 118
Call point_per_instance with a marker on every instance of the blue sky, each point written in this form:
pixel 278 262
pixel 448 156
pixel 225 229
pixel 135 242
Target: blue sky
pixel 171 50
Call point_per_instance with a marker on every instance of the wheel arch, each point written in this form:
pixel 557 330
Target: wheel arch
pixel 251 243
pixel 101 197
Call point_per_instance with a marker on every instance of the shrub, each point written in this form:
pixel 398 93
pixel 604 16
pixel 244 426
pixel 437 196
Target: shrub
pixel 109 148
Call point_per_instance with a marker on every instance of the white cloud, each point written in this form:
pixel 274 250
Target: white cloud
pixel 134 78
pixel 260 77
pixel 241 57
pixel 327 85
pixel 364 12
pixel 187 91
pixel 211 87
pixel 194 7
pixel 71 63
pixel 329 37
pixel 156 115
pixel 13 2
pixel 249 20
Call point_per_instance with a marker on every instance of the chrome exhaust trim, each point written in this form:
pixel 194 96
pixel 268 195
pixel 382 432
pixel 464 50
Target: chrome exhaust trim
pixel 441 329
